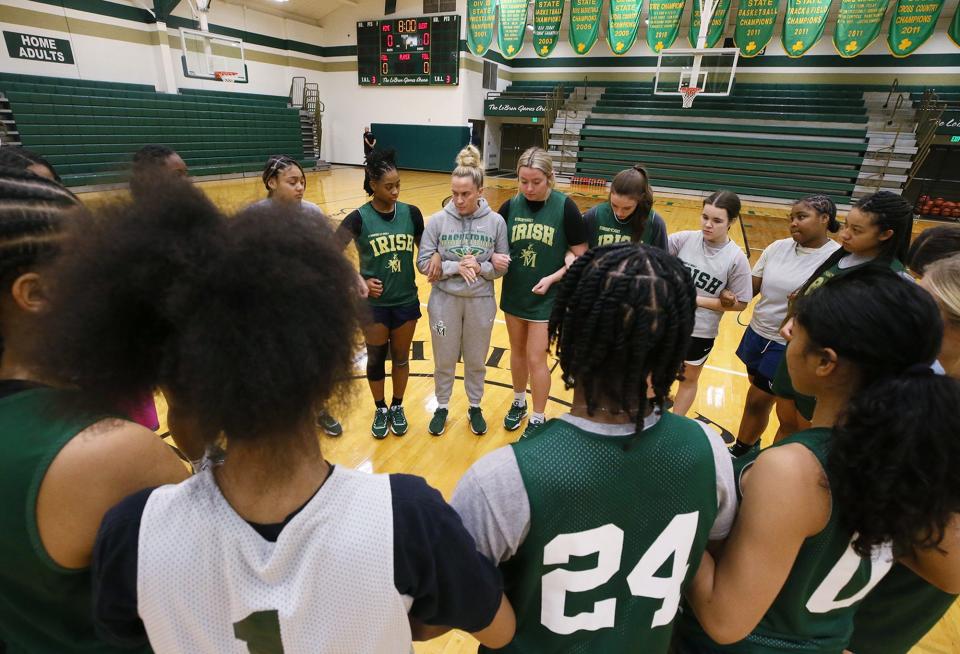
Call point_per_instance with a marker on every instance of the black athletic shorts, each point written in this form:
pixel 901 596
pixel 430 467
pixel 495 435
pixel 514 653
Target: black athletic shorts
pixel 394 317
pixel 698 350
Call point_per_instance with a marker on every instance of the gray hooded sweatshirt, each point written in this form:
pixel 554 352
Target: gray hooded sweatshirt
pixel 481 234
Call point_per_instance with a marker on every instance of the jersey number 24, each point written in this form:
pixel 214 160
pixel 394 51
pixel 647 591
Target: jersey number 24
pixel 606 542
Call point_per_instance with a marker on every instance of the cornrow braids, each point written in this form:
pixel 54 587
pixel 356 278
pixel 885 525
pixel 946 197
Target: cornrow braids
pixel 275 165
pixel 890 211
pixel 32 211
pixel 379 163
pixel 625 312
pixel 21 158
pixel 825 206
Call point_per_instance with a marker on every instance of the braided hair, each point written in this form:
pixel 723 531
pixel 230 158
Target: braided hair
pixel 624 313
pixel 894 451
pixel 32 213
pixel 889 211
pixel 379 163
pixel 275 165
pixel 824 206
pixel 19 157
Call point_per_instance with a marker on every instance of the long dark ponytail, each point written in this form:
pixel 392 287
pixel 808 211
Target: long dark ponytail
pixel 895 451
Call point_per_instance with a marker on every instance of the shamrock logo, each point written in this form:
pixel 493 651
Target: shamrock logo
pixel 659 46
pixel 510 49
pixel 751 46
pixel 852 46
pixel 479 49
pixel 619 46
pixel 798 46
pixel 544 50
pixel 581 47
pixel 904 44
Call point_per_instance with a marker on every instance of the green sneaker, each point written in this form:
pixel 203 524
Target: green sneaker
pixel 398 421
pixel 380 423
pixel 477 424
pixel 439 422
pixel 515 416
pixel 532 428
pixel 330 425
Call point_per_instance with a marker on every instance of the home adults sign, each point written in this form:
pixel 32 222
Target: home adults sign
pixel 38 48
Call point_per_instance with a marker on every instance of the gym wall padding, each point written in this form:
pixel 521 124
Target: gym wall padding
pixel 422 147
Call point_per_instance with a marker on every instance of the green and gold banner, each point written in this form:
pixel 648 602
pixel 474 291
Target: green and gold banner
pixel 858 25
pixel 803 25
pixel 624 22
pixel 547 16
pixel 717 24
pixel 756 20
pixel 511 27
pixel 480 20
pixel 912 24
pixel 663 23
pixel 584 24
pixel 954 30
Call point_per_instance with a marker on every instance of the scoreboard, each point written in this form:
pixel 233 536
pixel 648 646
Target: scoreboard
pixel 409 51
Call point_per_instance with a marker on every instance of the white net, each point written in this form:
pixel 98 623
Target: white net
pixel 687 95
pixel 226 76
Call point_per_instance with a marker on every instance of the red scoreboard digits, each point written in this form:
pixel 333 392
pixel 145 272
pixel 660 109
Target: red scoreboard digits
pixel 409 51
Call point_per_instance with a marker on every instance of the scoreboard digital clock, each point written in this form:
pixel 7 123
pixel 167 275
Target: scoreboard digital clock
pixel 409 51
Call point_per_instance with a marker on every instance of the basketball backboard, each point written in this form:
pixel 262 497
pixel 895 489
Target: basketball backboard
pixel 712 70
pixel 206 54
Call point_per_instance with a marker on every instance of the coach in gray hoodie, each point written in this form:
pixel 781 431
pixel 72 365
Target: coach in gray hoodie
pixel 469 240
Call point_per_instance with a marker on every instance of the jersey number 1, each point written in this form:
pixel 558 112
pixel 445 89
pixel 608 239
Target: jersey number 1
pixel 606 542
pixel 261 632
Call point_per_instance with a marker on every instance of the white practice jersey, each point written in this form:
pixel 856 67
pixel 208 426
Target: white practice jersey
pixel 207 583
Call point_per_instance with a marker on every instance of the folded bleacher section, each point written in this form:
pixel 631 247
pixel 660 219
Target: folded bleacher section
pixel 764 140
pixel 89 129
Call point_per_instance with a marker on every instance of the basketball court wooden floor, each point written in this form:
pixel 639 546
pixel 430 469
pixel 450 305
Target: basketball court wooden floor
pixel 442 460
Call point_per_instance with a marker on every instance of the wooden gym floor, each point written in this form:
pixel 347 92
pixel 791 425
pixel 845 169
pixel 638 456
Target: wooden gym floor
pixel 442 460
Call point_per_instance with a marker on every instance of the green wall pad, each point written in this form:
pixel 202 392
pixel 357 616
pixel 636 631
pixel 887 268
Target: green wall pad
pixel 422 147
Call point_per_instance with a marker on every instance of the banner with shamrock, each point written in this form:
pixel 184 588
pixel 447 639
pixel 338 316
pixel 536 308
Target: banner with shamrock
pixel 547 16
pixel 756 21
pixel 663 23
pixel 623 25
pixel 480 19
pixel 803 25
pixel 858 25
pixel 717 24
pixel 511 27
pixel 584 24
pixel 911 25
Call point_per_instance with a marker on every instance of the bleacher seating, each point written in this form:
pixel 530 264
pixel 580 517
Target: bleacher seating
pixel 90 129
pixel 775 141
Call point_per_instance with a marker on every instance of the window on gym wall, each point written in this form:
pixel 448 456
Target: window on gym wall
pixel 439 6
pixel 490 75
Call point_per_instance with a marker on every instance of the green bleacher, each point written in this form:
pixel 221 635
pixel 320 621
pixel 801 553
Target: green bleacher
pixel 89 129
pixel 778 141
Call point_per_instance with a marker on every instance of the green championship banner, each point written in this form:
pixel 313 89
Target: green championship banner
pixel 624 22
pixel 547 16
pixel 756 20
pixel 954 30
pixel 584 24
pixel 511 27
pixel 803 25
pixel 911 25
pixel 717 24
pixel 663 23
pixel 858 25
pixel 480 19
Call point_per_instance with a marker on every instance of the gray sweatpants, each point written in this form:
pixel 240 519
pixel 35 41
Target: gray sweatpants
pixel 460 324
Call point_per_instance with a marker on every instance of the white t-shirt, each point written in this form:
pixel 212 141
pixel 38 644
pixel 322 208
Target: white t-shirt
pixel 712 269
pixel 783 267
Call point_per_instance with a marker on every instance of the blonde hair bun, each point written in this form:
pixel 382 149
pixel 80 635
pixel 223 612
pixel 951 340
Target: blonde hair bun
pixel 469 157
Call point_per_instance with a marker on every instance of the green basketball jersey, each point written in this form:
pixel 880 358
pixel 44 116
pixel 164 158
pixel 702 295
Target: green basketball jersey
pixel 814 610
pixel 897 613
pixel 43 606
pixel 782 384
pixel 611 230
pixel 617 528
pixel 386 253
pixel 538 244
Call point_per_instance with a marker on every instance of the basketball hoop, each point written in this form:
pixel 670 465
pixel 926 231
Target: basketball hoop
pixel 687 94
pixel 226 76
